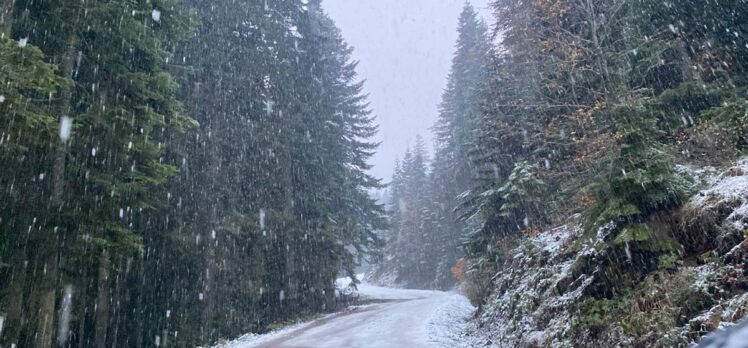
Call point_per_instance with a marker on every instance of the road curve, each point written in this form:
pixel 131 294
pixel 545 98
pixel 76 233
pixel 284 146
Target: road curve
pixel 404 318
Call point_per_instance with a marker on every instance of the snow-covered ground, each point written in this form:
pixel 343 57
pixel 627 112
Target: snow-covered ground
pixel 732 337
pixel 404 318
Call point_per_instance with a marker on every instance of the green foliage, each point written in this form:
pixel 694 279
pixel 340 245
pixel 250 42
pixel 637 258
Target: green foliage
pixel 506 210
pixel 657 304
pixel 603 94
pixel 632 233
pixel 26 128
pixel 272 193
pixel 728 123
pixel 113 237
pixel 679 108
pixel 638 178
pixel 667 261
pixel 523 193
pixel 25 80
pixel 695 22
pixel 704 118
pixel 195 160
pixel 597 313
pixel 25 75
pixel 409 240
pixel 425 236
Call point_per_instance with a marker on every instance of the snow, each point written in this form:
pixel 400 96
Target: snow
pixel 399 318
pixel 727 186
pixel 269 106
pixel 539 288
pixel 262 220
pixel 734 308
pixel 703 276
pixel 729 189
pixel 447 324
pixel 553 240
pixel 708 175
pixel 63 326
pixel 533 308
pixel 156 15
pixel 383 293
pixel 384 277
pixel 255 340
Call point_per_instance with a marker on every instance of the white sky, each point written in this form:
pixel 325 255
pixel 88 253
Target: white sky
pixel 405 49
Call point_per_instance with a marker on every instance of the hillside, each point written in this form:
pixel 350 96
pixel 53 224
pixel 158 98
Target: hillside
pixel 665 286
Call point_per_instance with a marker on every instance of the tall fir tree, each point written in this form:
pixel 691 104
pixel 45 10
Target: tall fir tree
pixel 456 133
pixel 268 199
pixel 409 242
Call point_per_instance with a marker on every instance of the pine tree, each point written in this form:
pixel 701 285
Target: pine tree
pixel 279 161
pixel 28 126
pixel 639 179
pixel 105 166
pixel 456 132
pixel 410 243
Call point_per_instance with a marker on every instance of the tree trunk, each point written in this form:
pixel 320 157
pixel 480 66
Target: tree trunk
pixel 117 311
pixel 209 285
pixel 47 293
pixel 290 282
pixel 49 240
pixel 139 306
pixel 83 311
pixel 209 224
pixel 102 301
pixel 6 17
pixel 15 318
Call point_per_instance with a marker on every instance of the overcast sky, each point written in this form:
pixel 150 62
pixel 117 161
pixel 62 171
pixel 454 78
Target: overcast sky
pixel 405 48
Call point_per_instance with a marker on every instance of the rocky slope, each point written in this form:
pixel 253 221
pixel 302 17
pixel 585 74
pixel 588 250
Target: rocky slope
pixel 664 283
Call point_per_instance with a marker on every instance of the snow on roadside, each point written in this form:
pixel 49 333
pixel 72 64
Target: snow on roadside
pixel 446 326
pixel 376 292
pixel 433 319
pixel 342 283
pixel 253 339
pixel 382 293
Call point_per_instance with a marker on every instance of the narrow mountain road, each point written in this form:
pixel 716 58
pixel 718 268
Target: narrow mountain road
pixel 403 318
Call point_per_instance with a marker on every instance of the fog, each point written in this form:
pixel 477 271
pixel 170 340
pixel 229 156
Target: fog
pixel 405 50
pixel 191 173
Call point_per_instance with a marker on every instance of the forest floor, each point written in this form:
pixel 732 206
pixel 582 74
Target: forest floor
pixel 396 318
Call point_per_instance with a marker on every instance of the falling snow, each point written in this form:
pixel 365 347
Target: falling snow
pixel 66 124
pixel 356 174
